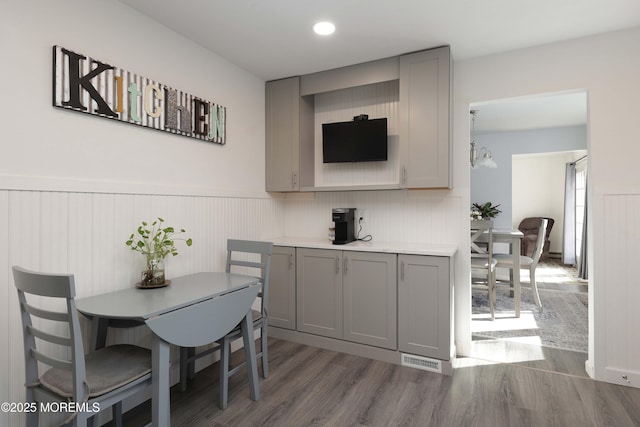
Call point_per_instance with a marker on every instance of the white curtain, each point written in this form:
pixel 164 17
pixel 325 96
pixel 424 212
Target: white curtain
pixel 582 256
pixel 569 232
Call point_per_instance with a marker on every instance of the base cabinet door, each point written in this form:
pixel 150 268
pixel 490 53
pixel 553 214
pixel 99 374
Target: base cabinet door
pixel 282 288
pixel 424 305
pixel 319 291
pixel 370 303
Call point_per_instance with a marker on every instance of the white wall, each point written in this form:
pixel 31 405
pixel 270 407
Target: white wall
pixel 538 189
pixel 65 146
pixel 73 186
pixel 606 67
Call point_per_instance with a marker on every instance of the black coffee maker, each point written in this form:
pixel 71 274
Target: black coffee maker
pixel 344 219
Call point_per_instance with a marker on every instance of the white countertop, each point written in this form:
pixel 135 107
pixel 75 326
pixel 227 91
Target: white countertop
pixel 409 248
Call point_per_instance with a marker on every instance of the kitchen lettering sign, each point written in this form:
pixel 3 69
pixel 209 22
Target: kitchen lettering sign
pixel 90 86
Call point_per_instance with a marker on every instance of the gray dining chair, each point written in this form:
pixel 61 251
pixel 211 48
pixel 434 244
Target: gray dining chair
pixel 482 257
pixel 530 263
pixel 251 258
pixel 56 367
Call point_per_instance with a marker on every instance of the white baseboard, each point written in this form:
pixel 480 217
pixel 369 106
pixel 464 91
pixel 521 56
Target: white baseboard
pixel 622 377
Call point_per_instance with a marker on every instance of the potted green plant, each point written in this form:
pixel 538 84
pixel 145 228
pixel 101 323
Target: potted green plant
pixel 484 211
pixel 155 242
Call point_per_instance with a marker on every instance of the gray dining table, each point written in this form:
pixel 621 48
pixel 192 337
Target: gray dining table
pixel 187 295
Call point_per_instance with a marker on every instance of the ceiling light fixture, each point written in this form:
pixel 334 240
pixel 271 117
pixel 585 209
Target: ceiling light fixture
pixel 483 157
pixel 324 28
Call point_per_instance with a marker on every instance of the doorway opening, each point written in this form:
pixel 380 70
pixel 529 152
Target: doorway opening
pixel 531 139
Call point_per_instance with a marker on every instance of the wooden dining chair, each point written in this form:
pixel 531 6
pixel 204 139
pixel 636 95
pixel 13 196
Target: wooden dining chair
pixel 56 367
pixel 251 258
pixel 506 261
pixel 482 257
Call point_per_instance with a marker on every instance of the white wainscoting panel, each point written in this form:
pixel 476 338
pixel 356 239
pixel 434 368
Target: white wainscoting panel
pixel 622 283
pixel 391 216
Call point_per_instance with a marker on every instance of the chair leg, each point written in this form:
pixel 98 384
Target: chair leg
pixel 33 419
pixel 264 357
pixel 185 353
pixel 492 293
pixel 225 349
pixel 534 288
pixel 511 287
pixel 116 411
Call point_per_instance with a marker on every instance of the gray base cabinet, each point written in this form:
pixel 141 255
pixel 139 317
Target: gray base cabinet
pixel 282 288
pixel 319 292
pixel 370 303
pixel 347 295
pixel 424 305
pixel 377 304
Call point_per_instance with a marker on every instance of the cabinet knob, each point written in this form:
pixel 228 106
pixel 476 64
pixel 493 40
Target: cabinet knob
pixel 294 179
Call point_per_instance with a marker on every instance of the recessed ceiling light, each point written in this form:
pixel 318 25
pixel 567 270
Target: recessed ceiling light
pixel 324 28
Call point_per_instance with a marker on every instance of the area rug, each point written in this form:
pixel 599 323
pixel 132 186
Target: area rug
pixel 562 324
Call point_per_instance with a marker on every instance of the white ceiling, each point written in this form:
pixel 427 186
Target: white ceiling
pixel 273 39
pixel 533 112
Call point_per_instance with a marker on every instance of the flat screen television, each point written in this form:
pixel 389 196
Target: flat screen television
pixel 355 141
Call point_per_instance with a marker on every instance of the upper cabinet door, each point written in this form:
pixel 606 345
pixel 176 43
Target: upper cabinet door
pixel 425 106
pixel 282 99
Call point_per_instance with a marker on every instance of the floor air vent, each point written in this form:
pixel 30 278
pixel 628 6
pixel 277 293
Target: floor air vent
pixel 423 363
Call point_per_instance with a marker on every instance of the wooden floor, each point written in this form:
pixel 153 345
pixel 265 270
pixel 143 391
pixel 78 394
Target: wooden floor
pixel 530 356
pixel 308 386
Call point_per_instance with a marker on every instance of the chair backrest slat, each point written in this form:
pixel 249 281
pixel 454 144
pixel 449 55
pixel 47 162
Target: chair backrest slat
pixel 251 264
pixel 46 314
pixel 52 361
pixel 45 285
pixel 46 336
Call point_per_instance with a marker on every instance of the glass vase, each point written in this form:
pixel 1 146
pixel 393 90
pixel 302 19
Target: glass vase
pixel 154 273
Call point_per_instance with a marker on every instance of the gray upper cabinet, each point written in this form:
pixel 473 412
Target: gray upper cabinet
pixel 424 119
pixel 287 121
pixel 282 288
pixel 424 305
